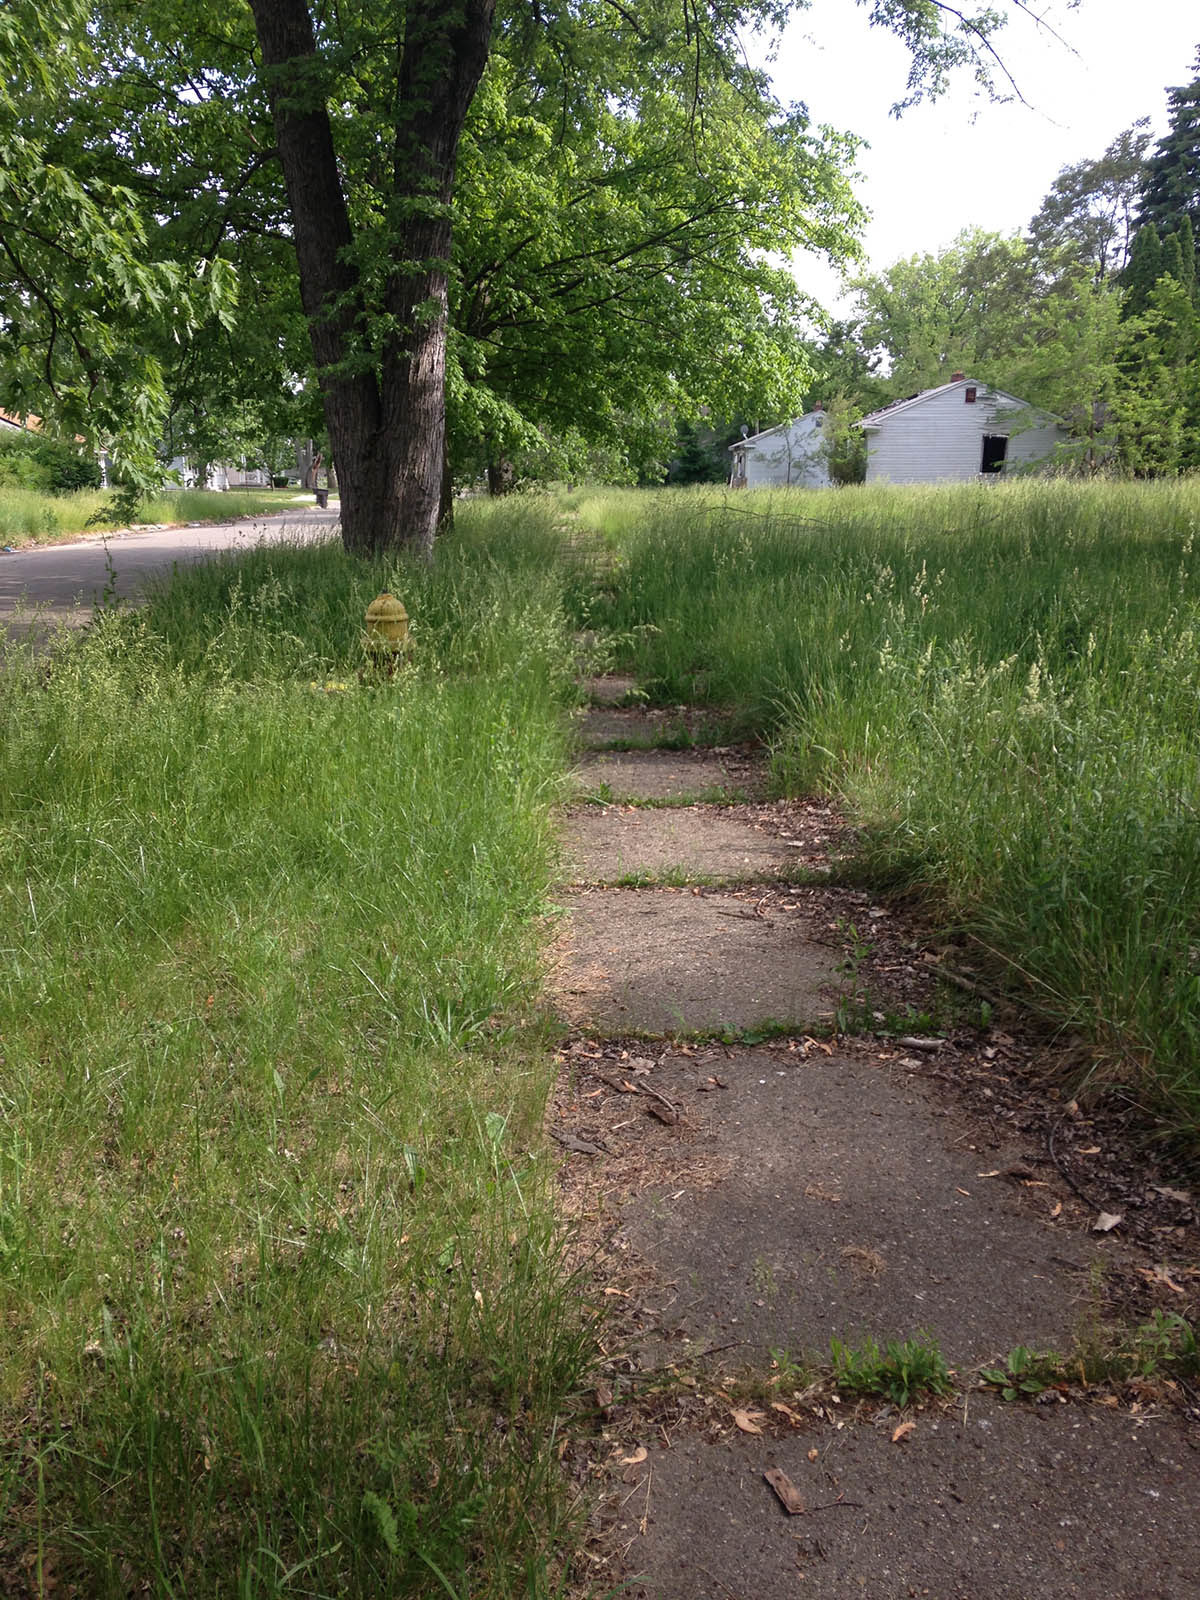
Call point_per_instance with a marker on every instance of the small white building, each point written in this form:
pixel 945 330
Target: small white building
pixel 218 475
pixel 959 431
pixel 790 456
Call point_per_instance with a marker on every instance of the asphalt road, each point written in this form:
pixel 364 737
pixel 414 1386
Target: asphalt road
pixel 50 585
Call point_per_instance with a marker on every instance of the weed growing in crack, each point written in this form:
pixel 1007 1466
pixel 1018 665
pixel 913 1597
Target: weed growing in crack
pixel 1023 1372
pixel 901 1370
pixel 1165 1347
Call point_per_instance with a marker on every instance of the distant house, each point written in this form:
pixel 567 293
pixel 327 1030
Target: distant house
pixel 789 456
pixel 960 431
pixel 11 421
pixel 218 475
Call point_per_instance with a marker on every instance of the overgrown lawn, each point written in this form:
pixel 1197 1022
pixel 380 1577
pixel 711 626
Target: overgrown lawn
pixel 283 1302
pixel 28 514
pixel 1002 682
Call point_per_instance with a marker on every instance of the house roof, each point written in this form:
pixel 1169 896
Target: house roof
pixel 884 412
pixel 780 427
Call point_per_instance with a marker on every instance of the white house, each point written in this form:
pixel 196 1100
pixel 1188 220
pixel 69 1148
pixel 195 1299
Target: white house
pixel 960 431
pixel 219 475
pixel 789 456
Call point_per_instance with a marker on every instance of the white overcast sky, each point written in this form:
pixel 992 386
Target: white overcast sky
pixel 963 162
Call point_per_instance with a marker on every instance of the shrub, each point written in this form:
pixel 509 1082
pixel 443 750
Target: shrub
pixel 32 461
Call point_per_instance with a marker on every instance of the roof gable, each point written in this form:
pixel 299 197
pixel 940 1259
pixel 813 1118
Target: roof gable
pixel 779 428
pixel 1005 401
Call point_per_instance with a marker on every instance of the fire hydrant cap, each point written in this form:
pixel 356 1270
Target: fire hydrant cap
pixel 387 624
pixel 386 608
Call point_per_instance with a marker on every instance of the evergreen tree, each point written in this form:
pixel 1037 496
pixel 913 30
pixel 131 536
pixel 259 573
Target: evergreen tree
pixel 1187 248
pixel 699 456
pixel 1172 259
pixel 1144 270
pixel 1156 407
pixel 1172 189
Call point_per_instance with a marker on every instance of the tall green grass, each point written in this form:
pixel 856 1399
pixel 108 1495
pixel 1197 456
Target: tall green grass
pixel 283 1303
pixel 30 514
pixel 1004 684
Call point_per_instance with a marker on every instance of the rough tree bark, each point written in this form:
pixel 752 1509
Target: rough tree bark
pixel 501 477
pixel 387 425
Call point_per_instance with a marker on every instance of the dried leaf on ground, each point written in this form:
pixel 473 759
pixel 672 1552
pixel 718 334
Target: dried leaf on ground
pixel 789 1496
pixel 636 1459
pixel 581 1147
pixel 748 1421
pixel 1016 1172
pixel 1160 1274
pixel 1107 1221
pixel 902 1431
pixel 666 1114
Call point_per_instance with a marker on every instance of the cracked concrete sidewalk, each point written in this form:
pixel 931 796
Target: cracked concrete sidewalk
pixel 808 1188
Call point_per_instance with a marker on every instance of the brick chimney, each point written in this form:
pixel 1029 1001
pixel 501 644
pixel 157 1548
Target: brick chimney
pixel 957 377
pixel 817 405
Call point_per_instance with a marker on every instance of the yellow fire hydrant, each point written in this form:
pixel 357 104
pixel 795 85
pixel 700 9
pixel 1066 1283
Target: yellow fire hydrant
pixel 387 637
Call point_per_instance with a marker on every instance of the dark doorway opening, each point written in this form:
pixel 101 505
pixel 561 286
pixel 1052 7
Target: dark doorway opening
pixel 995 448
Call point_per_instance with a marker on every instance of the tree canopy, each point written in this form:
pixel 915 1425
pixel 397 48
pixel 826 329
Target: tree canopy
pixel 571 217
pixel 1172 188
pixel 86 301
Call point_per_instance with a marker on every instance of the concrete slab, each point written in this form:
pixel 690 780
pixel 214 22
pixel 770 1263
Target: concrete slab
pixel 662 961
pixel 639 727
pixel 607 843
pixel 610 690
pixel 668 774
pixel 849 1207
pixel 995 1502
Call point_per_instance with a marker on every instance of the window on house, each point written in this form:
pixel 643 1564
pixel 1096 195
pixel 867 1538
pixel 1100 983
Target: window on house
pixel 995 448
pixel 969 395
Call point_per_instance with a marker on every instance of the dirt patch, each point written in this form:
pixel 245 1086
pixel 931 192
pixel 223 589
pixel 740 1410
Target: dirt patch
pixel 988 1502
pixel 607 843
pixel 665 961
pixel 670 774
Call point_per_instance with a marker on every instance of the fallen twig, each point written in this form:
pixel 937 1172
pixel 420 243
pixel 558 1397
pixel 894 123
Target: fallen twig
pixel 581 1147
pixel 971 985
pixel 626 1086
pixel 1087 1199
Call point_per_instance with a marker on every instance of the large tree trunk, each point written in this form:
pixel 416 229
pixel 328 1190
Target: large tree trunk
pixel 386 427
pixel 446 508
pixel 501 477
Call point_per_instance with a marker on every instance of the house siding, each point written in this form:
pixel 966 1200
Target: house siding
pixel 940 438
pixel 785 457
